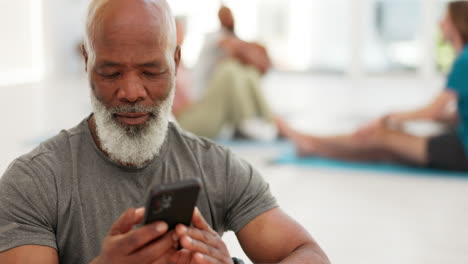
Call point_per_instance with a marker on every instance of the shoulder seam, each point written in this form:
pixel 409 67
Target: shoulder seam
pixel 201 141
pixel 39 154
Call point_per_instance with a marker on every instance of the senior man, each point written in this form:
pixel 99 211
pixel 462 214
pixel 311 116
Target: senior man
pixel 61 202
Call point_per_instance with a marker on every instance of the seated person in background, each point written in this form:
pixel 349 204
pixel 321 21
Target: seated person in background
pixel 383 139
pixel 61 202
pixel 226 92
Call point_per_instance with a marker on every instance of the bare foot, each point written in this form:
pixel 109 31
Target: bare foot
pixel 283 127
pixel 306 148
pixel 306 145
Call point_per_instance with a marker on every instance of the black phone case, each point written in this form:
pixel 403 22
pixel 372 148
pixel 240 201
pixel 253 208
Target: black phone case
pixel 172 203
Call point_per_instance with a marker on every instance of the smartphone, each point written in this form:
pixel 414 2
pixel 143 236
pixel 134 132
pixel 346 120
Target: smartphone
pixel 172 203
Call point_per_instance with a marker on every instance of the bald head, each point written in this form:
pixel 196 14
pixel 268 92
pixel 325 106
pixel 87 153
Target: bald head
pixel 138 21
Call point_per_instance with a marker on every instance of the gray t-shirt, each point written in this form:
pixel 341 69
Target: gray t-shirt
pixel 66 193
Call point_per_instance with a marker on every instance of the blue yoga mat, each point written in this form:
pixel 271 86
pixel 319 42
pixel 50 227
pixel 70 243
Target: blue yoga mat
pixel 288 156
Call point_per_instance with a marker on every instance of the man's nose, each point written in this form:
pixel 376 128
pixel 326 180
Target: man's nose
pixel 131 89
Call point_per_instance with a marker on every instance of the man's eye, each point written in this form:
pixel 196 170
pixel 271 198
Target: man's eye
pixel 151 74
pixel 111 75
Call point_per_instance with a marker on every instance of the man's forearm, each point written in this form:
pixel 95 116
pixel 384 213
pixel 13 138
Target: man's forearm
pixel 307 253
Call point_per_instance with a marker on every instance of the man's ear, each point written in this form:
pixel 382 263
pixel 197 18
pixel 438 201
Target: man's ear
pixel 85 56
pixel 177 56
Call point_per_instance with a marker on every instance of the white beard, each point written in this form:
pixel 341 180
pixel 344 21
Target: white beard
pixel 132 145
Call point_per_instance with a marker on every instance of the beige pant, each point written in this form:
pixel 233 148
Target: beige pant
pixel 233 95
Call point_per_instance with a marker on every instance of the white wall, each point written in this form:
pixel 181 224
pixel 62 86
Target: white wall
pixel 40 39
pixel 63 23
pixel 15 48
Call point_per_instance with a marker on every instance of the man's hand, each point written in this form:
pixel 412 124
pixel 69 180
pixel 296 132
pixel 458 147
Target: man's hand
pixel 202 245
pixel 147 244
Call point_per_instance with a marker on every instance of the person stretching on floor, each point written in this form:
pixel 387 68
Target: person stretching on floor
pixel 383 139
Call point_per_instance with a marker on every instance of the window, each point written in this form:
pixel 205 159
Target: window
pixel 393 36
pixel 354 37
pixel 306 35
